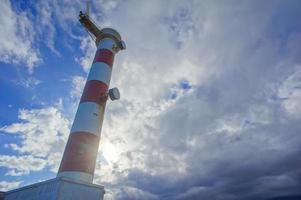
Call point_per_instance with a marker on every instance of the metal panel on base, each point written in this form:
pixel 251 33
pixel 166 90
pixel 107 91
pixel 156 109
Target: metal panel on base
pixel 57 189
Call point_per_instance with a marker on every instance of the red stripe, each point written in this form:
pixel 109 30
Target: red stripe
pixel 80 153
pixel 104 55
pixel 94 91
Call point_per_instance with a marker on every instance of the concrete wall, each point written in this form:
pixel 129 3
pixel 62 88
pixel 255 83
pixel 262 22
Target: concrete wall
pixel 2 195
pixel 57 189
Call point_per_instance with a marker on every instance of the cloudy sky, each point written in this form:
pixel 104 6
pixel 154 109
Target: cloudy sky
pixel 210 96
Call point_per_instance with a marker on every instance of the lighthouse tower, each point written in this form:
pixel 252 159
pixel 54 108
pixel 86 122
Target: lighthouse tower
pixel 80 154
pixel 74 180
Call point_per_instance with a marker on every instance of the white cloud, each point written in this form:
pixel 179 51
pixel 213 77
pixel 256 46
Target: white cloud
pixel 21 165
pixel 5 186
pixel 290 92
pixel 78 83
pixel 87 45
pixel 15 172
pixel 29 82
pixel 39 128
pixel 134 193
pixel 17 38
pixel 22 33
pixel 43 134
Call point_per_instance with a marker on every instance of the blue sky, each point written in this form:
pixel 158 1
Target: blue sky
pixel 210 96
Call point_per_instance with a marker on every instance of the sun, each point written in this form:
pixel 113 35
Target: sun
pixel 110 152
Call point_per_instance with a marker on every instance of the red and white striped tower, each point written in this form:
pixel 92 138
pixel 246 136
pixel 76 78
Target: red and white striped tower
pixel 78 162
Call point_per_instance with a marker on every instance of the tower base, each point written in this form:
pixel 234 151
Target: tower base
pixel 57 189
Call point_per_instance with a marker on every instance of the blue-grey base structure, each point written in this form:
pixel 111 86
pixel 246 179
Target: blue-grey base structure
pixel 57 189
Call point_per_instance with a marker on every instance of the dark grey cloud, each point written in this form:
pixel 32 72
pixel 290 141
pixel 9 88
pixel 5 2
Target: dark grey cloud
pixel 232 136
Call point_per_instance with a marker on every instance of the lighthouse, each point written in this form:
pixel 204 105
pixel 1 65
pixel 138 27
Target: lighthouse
pixel 80 154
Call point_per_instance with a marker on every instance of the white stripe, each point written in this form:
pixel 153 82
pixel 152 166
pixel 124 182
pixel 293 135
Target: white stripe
pixel 76 175
pixel 107 43
pixel 88 118
pixel 101 72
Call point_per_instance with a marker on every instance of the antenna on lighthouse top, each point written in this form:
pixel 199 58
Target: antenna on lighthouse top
pixel 95 32
pixel 88 8
pixel 86 21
